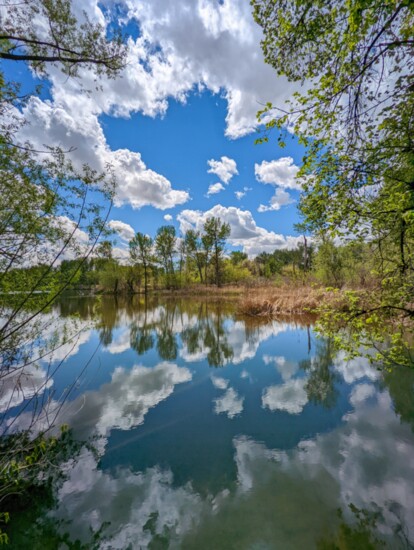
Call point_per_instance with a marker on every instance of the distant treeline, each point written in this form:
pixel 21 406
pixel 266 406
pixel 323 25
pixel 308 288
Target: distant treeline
pixel 198 257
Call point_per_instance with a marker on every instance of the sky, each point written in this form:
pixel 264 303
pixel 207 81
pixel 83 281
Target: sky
pixel 179 124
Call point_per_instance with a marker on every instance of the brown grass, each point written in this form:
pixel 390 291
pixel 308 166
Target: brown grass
pixel 274 301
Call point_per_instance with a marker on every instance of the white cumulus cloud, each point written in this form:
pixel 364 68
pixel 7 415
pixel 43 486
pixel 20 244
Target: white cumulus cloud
pixel 281 172
pixel 287 369
pixel 124 230
pixel 225 168
pixel 279 199
pixel 219 383
pixel 74 125
pixel 215 188
pixel 290 396
pixel 230 403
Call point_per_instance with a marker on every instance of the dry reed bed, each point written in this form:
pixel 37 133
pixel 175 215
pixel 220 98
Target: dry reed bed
pixel 288 300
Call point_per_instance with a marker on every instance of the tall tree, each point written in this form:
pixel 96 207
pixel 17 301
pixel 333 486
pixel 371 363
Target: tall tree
pixel 207 245
pixel 141 253
pixel 195 252
pixel 104 250
pixel 165 246
pixel 216 232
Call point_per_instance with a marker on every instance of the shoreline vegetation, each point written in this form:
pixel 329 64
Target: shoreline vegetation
pixel 261 299
pixel 255 299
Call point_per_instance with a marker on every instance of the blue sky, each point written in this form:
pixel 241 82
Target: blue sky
pixel 179 146
pixel 178 126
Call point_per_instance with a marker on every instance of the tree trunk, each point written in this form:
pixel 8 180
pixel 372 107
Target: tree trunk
pixel 217 267
pixel 305 254
pixel 200 271
pixel 145 278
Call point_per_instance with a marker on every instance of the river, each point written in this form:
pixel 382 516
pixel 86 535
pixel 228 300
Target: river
pixel 215 431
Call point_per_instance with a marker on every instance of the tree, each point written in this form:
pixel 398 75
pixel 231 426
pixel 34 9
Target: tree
pixel 216 233
pixel 329 264
pixel 207 245
pixel 195 252
pixel 48 212
pixel 104 250
pixel 182 258
pixel 348 51
pixel 356 120
pixel 140 251
pixel 307 251
pixel 68 43
pixel 165 243
pixel 237 257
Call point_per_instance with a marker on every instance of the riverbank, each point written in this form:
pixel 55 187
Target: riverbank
pixel 256 300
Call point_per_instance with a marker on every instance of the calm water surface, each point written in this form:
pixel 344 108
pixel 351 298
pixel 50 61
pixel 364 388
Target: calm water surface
pixel 214 431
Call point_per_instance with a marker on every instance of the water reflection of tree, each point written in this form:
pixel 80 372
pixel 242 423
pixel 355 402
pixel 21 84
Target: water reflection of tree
pixel 167 346
pixel 361 534
pixel 141 338
pixel 216 339
pixel 400 383
pixel 209 334
pixel 108 319
pixel 110 312
pixel 84 308
pixel 320 386
pixel 205 333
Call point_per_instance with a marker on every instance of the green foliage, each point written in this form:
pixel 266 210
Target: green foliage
pixel 236 273
pixel 356 122
pixel 4 519
pixel 360 329
pixel 104 250
pixel 110 276
pixel 329 264
pixel 237 257
pixel 270 264
pixel 29 465
pixel 26 462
